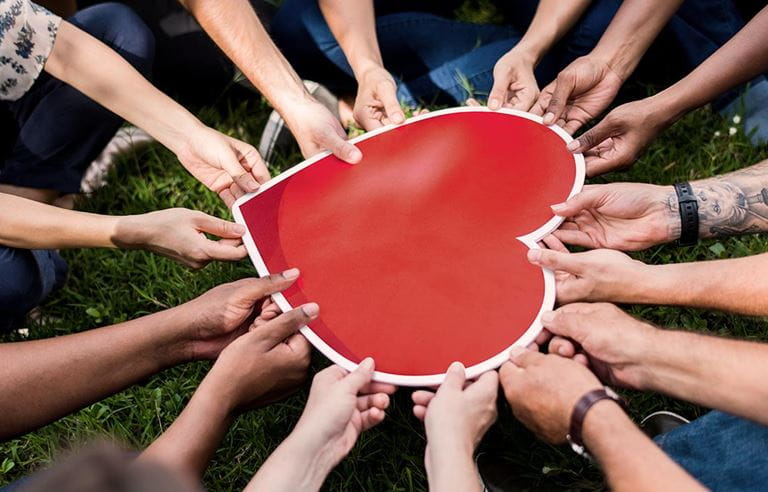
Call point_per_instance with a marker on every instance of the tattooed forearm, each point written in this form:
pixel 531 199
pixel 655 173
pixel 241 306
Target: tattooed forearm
pixel 735 203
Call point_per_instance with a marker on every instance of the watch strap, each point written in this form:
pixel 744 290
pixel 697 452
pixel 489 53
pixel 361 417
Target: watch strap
pixel 579 413
pixel 689 214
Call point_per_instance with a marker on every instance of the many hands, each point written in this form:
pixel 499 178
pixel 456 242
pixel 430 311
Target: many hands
pixel 543 389
pixel 341 405
pixel 623 216
pixel 265 364
pixel 619 138
pixel 376 103
pixel 514 84
pixel 180 235
pixel 581 92
pixel 223 164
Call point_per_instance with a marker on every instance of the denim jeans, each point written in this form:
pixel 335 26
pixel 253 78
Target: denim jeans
pixel 722 451
pixel 435 59
pixel 54 133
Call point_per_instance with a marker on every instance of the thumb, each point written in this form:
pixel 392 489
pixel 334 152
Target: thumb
pixel 454 377
pixel 555 260
pixel 219 227
pixel 587 199
pixel 335 141
pixel 277 330
pixel 594 136
pixel 566 323
pixel 498 94
pixel 564 86
pixel 254 289
pixel 357 379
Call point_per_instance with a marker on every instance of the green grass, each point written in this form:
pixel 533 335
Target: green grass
pixel 106 287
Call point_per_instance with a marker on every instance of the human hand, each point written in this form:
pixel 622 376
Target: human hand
pixel 224 164
pixel 543 389
pixel 580 93
pixel 225 312
pixel 514 84
pixel 179 234
pixel 597 275
pixel 376 103
pixel 316 130
pixel 265 364
pixel 458 414
pixel 619 138
pixel 605 338
pixel 341 405
pixel 623 216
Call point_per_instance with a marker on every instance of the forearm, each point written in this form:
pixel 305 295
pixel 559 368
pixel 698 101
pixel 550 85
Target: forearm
pixel 94 69
pixel 715 372
pixel 293 466
pixel 33 225
pixel 43 380
pixel 353 24
pixel 235 28
pixel 628 458
pixel 738 61
pixel 552 20
pixel 187 446
pixel 631 32
pixel 450 467
pixel 736 285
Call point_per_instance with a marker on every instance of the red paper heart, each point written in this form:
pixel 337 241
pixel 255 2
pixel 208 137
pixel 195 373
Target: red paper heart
pixel 417 255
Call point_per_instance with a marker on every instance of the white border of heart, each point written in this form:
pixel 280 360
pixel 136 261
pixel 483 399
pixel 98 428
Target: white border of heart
pixel 530 240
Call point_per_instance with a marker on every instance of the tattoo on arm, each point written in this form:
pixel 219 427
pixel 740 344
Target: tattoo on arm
pixel 733 204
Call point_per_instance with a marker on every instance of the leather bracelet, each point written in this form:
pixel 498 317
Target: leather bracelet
pixel 579 413
pixel 689 214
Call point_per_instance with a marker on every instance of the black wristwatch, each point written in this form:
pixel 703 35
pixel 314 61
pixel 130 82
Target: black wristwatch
pixel 580 410
pixel 689 214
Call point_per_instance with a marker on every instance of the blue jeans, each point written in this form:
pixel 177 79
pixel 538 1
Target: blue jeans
pixel 439 60
pixel 722 451
pixel 55 131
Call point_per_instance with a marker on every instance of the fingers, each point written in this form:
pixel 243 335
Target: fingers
pixel 567 323
pixel 357 379
pixel 564 86
pixel 376 400
pixel 486 385
pixel 251 160
pixel 576 238
pixel 454 377
pixel 422 397
pixel 285 325
pixel 419 412
pixel 587 199
pixel 553 243
pixel 335 141
pixel 227 197
pixel 387 91
pixel 257 288
pixel 523 358
pixel 371 418
pixel 498 94
pixel 221 251
pixel 218 227
pixel 374 387
pixel 556 260
pixel 543 337
pixel 299 345
pixel 606 128
pixel 562 347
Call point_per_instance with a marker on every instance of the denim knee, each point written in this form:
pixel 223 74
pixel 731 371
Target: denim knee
pixel 119 27
pixel 26 279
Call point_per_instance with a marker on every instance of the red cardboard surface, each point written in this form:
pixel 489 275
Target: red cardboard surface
pixel 417 255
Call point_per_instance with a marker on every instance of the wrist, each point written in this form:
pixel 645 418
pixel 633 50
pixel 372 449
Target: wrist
pixel 528 52
pixel 128 232
pixel 605 417
pixel 315 462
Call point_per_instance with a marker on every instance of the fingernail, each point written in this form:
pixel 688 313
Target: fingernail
pixel 562 351
pixel 354 155
pixel 367 363
pixel 493 103
pixel 558 207
pixel 573 145
pixel 398 118
pixel 547 317
pixel 456 366
pixel 549 118
pixel 291 274
pixel 311 309
pixel 515 351
pixel 534 255
pixel 238 229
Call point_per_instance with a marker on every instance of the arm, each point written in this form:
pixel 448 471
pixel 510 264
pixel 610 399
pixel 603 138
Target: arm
pixel 225 165
pixel 175 233
pixel 714 372
pixel 625 132
pixel 43 380
pixel 354 26
pixel 543 391
pixel 514 84
pixel 242 377
pixel 235 28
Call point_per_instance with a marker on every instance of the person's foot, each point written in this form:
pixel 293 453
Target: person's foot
pixel 126 139
pixel 662 422
pixel 277 136
pixel 752 109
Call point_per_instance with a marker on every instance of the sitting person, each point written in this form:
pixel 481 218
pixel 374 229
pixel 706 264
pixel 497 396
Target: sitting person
pixel 32 232
pixel 341 405
pixel 44 380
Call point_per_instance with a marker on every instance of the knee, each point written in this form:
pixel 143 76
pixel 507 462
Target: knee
pixel 295 21
pixel 21 288
pixel 118 26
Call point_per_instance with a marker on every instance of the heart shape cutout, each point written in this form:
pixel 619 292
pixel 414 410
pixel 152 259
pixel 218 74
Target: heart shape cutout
pixel 417 255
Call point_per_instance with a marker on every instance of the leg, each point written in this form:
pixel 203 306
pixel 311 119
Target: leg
pixel 28 278
pixel 58 130
pixel 721 451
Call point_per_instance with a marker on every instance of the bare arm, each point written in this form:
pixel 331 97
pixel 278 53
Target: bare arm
pixel 552 20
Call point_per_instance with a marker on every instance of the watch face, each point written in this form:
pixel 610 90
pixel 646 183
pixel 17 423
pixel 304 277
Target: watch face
pixel 417 255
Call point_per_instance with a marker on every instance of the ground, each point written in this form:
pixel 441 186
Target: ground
pixel 107 287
